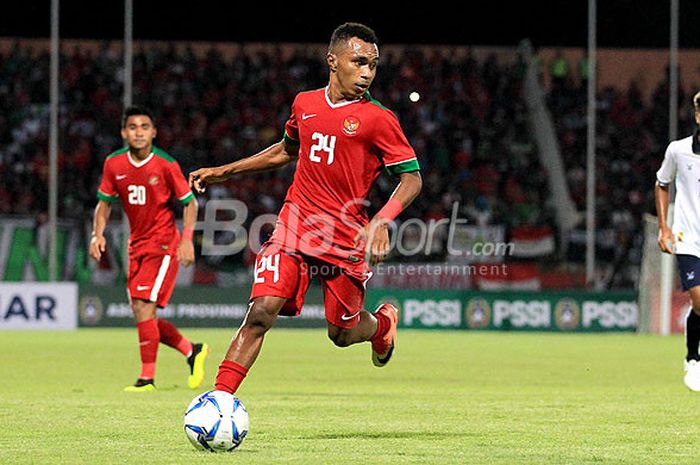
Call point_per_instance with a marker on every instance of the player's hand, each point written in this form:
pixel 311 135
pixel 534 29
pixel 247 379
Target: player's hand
pixel 199 179
pixel 98 244
pixel 375 234
pixel 185 253
pixel 667 241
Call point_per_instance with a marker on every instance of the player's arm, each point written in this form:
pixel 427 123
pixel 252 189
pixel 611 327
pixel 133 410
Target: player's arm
pixel 97 240
pixel 185 251
pixel 376 233
pixel 666 238
pixel 410 185
pixel 664 177
pixel 276 156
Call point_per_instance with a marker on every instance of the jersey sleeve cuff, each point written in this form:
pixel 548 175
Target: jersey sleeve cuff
pixel 289 139
pixel 187 198
pixel 662 182
pixel 405 166
pixel 107 198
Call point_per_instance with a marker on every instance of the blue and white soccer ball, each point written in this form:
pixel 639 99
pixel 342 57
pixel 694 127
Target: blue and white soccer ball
pixel 216 421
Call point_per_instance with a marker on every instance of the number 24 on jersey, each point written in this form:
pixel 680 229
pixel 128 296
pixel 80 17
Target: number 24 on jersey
pixel 324 143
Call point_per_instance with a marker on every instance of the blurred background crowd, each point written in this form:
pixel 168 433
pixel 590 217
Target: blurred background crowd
pixel 469 128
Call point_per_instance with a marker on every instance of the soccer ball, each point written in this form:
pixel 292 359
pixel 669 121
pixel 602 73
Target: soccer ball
pixel 216 421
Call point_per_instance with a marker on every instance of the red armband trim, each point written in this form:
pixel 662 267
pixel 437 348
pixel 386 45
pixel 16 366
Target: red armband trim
pixel 391 210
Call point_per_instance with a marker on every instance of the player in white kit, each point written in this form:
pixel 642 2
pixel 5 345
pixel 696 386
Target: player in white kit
pixel 682 165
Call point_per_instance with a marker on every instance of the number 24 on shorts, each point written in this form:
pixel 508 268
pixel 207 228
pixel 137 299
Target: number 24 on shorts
pixel 268 263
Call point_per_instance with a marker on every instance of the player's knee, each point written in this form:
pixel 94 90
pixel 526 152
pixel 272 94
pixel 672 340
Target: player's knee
pixel 695 305
pixel 258 321
pixel 143 310
pixel 340 338
pixel 694 294
pixel 261 315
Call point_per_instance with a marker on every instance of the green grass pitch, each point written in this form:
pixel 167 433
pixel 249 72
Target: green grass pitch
pixel 447 397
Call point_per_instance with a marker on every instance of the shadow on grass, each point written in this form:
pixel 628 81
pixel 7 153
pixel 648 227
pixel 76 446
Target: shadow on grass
pixel 386 435
pixel 243 450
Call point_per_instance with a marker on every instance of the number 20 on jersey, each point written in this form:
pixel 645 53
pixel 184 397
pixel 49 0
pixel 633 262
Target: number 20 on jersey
pixel 137 194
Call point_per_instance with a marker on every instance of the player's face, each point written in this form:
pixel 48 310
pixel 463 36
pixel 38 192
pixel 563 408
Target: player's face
pixel 355 66
pixel 139 132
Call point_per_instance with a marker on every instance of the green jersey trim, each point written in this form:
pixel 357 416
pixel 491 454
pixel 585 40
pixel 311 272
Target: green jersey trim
pixel 107 198
pixel 406 166
pixel 289 139
pixel 187 198
pixel 121 151
pixel 162 154
pixel 369 97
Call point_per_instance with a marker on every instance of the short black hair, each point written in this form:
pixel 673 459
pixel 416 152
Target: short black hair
pixel 137 110
pixel 347 31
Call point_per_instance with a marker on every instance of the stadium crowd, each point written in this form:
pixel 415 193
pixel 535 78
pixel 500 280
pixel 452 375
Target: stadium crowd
pixel 631 139
pixel 469 129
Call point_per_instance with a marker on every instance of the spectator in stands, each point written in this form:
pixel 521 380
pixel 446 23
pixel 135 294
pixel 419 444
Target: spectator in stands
pixel 469 122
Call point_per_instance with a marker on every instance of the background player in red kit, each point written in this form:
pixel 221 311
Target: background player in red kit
pixel 342 140
pixel 146 178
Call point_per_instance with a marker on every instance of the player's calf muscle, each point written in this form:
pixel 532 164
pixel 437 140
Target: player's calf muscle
pixel 344 337
pixel 263 312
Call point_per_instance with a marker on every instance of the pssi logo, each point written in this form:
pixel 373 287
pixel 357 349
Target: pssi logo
pixel 91 310
pixel 478 313
pixel 567 314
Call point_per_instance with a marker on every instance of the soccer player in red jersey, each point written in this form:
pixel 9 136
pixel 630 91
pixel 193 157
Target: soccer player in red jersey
pixel 146 178
pixel 342 139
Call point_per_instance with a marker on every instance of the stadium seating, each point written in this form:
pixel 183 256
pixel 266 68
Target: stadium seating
pixel 468 128
pixel 632 135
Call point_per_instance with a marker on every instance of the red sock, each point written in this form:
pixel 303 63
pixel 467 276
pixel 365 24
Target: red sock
pixel 149 336
pixel 230 376
pixel 383 325
pixel 170 336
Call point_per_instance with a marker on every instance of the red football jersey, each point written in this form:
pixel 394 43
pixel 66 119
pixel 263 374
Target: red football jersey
pixel 145 189
pixel 343 149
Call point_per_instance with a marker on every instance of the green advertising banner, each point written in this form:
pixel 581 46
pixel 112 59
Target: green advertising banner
pixel 508 310
pixel 209 306
pixel 192 306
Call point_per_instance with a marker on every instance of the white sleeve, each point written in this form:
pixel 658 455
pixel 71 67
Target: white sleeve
pixel 667 173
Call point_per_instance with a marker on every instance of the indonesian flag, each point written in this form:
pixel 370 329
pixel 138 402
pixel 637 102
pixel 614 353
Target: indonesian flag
pixel 532 241
pixel 512 276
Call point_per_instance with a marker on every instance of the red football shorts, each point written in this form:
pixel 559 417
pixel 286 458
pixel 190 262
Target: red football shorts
pixel 152 278
pixel 287 275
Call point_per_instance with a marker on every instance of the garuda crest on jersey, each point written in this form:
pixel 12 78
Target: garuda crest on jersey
pixel 351 125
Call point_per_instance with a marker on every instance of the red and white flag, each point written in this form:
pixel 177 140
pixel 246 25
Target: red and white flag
pixel 532 241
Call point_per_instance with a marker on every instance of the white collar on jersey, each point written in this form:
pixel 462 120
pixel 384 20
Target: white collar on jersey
pixel 337 105
pixel 139 164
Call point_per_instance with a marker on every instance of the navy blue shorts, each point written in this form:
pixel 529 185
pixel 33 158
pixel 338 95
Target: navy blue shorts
pixel 689 268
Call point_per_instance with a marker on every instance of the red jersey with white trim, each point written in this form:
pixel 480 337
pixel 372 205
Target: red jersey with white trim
pixel 145 189
pixel 343 149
